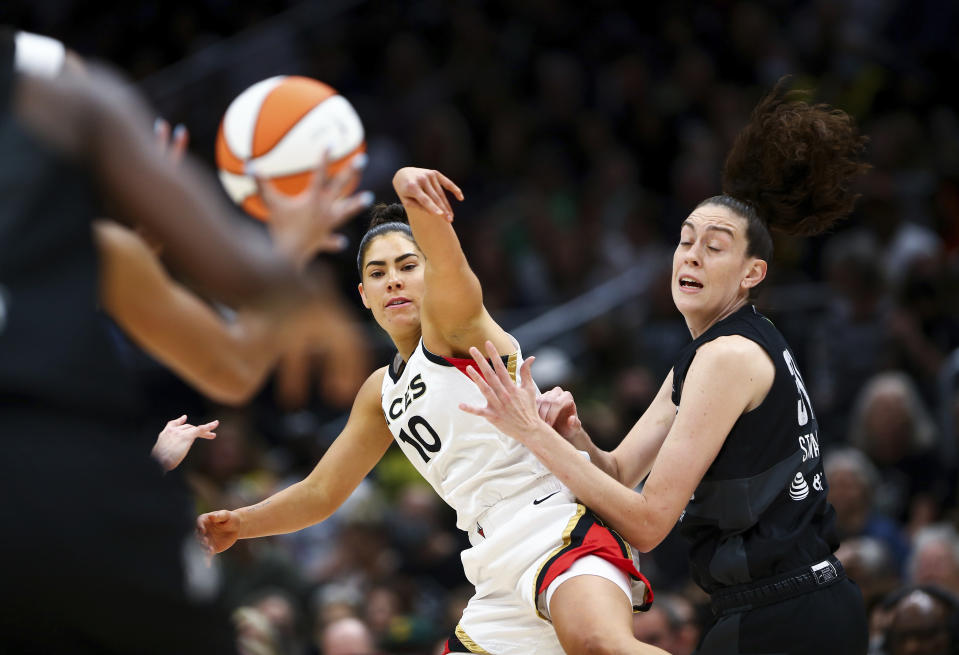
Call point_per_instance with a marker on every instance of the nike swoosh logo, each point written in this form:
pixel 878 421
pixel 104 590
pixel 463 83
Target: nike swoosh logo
pixel 537 502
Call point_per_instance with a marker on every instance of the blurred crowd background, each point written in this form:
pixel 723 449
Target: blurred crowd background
pixel 582 134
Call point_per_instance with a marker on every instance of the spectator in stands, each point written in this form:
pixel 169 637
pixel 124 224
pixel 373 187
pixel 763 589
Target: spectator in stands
pixel 852 479
pixel 893 427
pixel 935 557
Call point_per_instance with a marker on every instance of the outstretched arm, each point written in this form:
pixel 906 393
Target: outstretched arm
pixel 708 412
pixel 454 317
pixel 351 457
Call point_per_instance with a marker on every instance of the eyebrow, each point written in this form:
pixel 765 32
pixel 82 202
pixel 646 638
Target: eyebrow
pixel 718 228
pixel 380 262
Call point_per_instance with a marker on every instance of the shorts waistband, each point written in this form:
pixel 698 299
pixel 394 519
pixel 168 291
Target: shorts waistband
pixel 773 589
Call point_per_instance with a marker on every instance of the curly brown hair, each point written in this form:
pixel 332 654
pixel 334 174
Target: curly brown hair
pixel 794 162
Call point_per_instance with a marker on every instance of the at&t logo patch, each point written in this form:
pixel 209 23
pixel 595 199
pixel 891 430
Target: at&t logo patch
pixel 798 490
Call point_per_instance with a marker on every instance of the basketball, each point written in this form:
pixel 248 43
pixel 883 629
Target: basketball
pixel 282 126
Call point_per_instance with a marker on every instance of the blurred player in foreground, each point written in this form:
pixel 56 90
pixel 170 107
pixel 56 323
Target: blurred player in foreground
pixel 94 536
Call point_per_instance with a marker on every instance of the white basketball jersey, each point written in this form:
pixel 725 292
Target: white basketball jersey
pixel 470 463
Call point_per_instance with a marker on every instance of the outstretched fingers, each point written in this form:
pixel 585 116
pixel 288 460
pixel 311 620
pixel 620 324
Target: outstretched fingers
pixel 270 195
pixel 450 186
pixel 348 177
pixel 346 208
pixel 526 374
pixel 487 392
pixel 439 195
pixel 420 194
pixel 490 376
pixel 502 373
pixel 178 143
pixel 206 431
pixel 320 179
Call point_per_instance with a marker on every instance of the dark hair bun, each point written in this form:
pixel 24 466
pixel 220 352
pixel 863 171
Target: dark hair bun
pixel 382 213
pixel 794 162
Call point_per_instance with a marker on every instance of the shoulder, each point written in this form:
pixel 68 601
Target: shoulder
pixel 374 384
pixel 729 346
pixel 367 403
pixel 63 110
pixel 735 363
pixel 733 354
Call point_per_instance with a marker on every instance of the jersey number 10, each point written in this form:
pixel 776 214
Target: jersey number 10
pixel 418 428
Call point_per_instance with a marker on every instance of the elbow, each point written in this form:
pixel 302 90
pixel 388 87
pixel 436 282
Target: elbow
pixel 229 399
pixel 649 535
pixel 647 542
pixel 651 522
pixel 237 391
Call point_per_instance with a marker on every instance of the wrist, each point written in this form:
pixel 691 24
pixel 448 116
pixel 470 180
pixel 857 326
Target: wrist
pixel 161 458
pixel 242 523
pixel 580 439
pixel 540 436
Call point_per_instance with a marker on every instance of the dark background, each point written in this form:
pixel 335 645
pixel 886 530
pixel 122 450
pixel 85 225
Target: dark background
pixel 582 134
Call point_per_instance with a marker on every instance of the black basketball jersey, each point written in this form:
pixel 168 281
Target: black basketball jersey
pixel 761 508
pixel 55 353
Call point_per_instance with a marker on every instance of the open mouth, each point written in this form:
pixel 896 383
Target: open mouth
pixel 690 283
pixel 397 302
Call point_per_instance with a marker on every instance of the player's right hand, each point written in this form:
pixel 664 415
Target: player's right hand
pixel 218 530
pixel 427 188
pixel 303 225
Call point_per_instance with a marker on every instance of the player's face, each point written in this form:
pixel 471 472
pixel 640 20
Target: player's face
pixel 393 283
pixel 712 274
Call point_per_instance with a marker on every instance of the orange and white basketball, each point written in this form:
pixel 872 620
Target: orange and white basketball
pixel 281 126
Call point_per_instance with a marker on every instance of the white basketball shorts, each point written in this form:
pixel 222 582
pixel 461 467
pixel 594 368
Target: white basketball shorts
pixel 522 549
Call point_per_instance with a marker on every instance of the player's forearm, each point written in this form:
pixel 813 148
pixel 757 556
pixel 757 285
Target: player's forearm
pixel 237 366
pixel 624 509
pixel 599 457
pixel 257 342
pixel 436 238
pixel 296 507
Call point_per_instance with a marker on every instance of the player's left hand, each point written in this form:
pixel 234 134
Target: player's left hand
pixel 176 438
pixel 509 407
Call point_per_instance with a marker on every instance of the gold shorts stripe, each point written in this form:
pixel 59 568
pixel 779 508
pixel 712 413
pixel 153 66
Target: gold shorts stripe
pixel 469 643
pixel 567 531
pixel 511 366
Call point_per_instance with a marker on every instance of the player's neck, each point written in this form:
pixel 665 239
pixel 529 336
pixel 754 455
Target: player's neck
pixel 698 324
pixel 406 344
